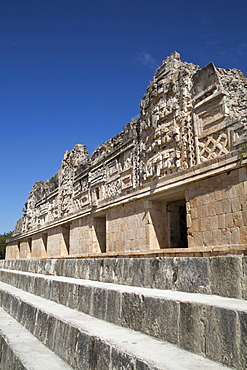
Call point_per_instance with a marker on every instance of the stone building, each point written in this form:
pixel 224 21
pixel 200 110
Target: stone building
pixel 172 183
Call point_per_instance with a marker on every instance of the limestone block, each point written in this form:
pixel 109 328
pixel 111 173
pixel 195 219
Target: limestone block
pixel 235 236
pixel 38 286
pixel 217 237
pixel 229 221
pixel 221 344
pixel 60 337
pixel 236 205
pixel 100 356
pixel 244 215
pixel 194 214
pixel 99 300
pixel 60 269
pixel 132 311
pixel 8 359
pixel 163 273
pixel 192 327
pixel 242 363
pixel 139 272
pixel 243 234
pixel 73 296
pixel 85 345
pixel 127 271
pixel 221 221
pixel 226 206
pixel 69 350
pixel 85 299
pixel 232 192
pixel 121 360
pixel 107 273
pixel 59 292
pixel 244 277
pixel 94 268
pixel 113 307
pixel 41 328
pixel 226 236
pixel 205 224
pixel 82 268
pixel 214 223
pixel 225 276
pixel 202 211
pixel 32 266
pixel 211 209
pixel 118 266
pixel 198 240
pixel 160 318
pixel 193 275
pixel 218 195
pixel 208 238
pixel 27 316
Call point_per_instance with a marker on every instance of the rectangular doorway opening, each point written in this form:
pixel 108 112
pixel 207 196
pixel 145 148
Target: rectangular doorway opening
pixel 177 224
pixel 100 231
pixel 66 236
pixel 29 243
pixel 45 240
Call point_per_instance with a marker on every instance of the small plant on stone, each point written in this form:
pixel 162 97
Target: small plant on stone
pixel 242 152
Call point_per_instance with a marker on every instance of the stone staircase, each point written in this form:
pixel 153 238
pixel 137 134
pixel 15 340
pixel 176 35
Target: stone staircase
pixel 124 313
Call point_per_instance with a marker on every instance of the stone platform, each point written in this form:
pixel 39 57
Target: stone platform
pixel 124 313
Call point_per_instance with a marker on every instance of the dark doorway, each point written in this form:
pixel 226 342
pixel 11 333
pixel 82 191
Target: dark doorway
pixel 177 224
pixel 29 242
pixel 100 230
pixel 45 239
pixel 66 236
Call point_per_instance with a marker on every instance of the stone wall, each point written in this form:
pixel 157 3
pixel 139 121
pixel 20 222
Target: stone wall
pixel 218 210
pixel 172 181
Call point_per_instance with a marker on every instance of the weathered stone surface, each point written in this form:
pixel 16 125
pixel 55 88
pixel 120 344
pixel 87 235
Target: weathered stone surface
pixel 121 360
pixel 132 311
pixel 101 355
pixel 99 301
pixel 226 276
pixel 244 278
pixel 194 322
pixel 243 340
pixel 193 275
pixel 85 299
pixel 84 351
pixel 192 327
pixel 221 336
pixel 27 353
pixel 113 307
pixel 160 318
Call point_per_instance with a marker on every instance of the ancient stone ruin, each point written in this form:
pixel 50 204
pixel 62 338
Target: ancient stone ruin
pixel 171 179
pixel 135 258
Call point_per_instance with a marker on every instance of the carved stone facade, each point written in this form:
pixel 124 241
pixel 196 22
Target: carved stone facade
pixel 170 183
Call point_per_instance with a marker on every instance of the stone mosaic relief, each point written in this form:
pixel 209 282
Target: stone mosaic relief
pixel 166 120
pixel 188 115
pixel 213 146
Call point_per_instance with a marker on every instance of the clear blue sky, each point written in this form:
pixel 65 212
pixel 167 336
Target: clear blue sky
pixel 74 71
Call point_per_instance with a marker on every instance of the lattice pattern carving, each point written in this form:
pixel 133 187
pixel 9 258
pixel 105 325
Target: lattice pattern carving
pixel 212 148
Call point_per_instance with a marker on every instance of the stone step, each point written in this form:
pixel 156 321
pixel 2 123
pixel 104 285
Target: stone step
pixel 85 342
pixel 208 325
pixel 224 276
pixel 19 349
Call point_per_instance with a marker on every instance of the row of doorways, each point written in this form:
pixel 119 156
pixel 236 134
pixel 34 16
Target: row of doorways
pixel 176 221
